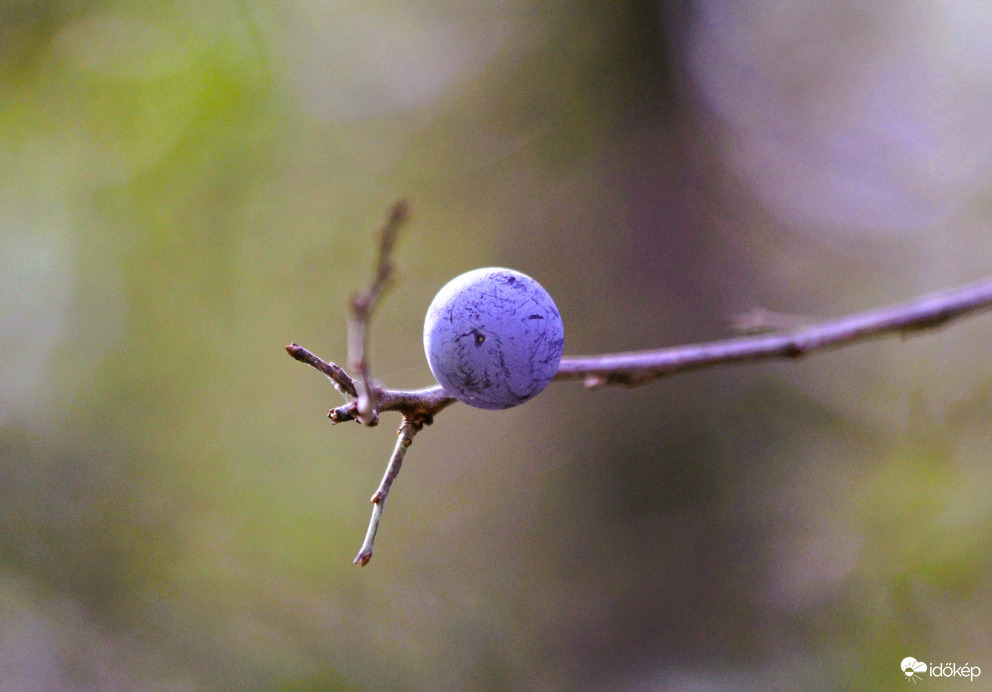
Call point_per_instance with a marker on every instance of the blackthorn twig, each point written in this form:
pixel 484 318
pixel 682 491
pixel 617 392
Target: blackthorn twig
pixel 365 400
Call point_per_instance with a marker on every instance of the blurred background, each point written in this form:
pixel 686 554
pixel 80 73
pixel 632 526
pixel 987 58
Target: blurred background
pixel 187 187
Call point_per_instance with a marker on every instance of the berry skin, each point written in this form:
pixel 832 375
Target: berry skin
pixel 493 338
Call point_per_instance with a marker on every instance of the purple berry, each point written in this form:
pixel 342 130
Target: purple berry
pixel 493 338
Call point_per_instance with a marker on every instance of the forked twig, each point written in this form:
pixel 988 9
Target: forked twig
pixel 364 400
pixel 418 408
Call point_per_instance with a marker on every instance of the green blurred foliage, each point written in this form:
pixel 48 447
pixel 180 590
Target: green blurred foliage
pixel 187 187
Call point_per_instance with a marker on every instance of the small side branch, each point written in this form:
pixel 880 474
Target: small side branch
pixel 406 432
pixel 335 373
pixel 362 305
pixel 640 367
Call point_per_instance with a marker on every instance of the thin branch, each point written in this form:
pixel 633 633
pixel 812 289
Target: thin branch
pixel 405 438
pixel 640 367
pixel 335 373
pixel 362 305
